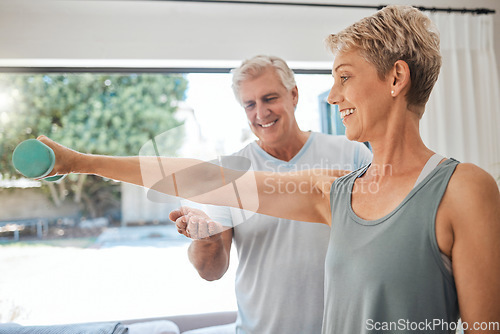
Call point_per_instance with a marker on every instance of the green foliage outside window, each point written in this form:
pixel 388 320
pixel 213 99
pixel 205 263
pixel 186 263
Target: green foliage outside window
pixel 111 114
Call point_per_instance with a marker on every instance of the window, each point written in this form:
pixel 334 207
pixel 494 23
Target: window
pixel 101 252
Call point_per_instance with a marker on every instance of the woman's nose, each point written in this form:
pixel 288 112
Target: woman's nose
pixel 334 96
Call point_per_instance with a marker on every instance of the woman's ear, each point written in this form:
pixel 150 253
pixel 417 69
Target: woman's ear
pixel 400 76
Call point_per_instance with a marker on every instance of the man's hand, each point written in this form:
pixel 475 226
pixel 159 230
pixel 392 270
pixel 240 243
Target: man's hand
pixel 196 224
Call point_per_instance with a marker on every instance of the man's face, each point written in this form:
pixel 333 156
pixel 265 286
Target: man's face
pixel 270 108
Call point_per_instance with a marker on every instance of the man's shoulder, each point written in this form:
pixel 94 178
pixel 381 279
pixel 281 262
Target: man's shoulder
pixel 340 144
pixel 339 140
pixel 318 138
pixel 246 151
pixel 340 152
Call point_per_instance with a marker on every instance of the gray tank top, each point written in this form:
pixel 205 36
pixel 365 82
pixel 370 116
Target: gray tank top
pixel 387 275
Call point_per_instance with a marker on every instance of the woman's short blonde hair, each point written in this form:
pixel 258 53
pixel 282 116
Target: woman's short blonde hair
pixel 255 66
pixel 396 33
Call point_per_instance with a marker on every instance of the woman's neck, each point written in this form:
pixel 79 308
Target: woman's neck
pixel 400 149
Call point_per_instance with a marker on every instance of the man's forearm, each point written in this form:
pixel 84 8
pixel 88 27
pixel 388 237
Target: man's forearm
pixel 209 258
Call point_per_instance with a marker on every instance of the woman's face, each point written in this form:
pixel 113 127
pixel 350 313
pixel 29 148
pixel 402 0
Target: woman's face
pixel 363 98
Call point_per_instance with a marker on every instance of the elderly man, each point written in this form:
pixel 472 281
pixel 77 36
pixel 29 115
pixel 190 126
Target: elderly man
pixel 279 281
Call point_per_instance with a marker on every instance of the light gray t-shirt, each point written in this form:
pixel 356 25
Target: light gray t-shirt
pixel 280 276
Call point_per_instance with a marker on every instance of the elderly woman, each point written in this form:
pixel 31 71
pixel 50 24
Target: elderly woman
pixel 415 237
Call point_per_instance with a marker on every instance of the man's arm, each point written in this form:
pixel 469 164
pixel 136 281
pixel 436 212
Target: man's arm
pixel 210 250
pixel 303 195
pixel 472 203
pixel 211 258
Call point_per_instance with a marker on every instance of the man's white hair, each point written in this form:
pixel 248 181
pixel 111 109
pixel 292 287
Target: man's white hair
pixel 253 67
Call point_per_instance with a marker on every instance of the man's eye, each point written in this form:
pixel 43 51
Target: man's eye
pixel 343 79
pixel 271 99
pixel 249 106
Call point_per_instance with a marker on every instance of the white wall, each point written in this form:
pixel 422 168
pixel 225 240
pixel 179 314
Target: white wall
pixel 156 33
pixel 137 208
pixel 29 203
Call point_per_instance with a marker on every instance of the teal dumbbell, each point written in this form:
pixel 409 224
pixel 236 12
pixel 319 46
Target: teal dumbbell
pixel 35 160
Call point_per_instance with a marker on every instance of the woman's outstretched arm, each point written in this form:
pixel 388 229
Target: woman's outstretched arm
pixel 303 195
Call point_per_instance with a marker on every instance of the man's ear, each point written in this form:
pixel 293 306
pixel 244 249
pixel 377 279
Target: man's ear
pixel 400 76
pixel 295 95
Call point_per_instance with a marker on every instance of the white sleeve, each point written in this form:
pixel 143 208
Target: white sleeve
pixel 219 214
pixel 364 156
pixel 228 216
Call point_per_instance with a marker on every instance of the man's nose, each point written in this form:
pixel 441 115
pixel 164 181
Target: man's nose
pixel 262 111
